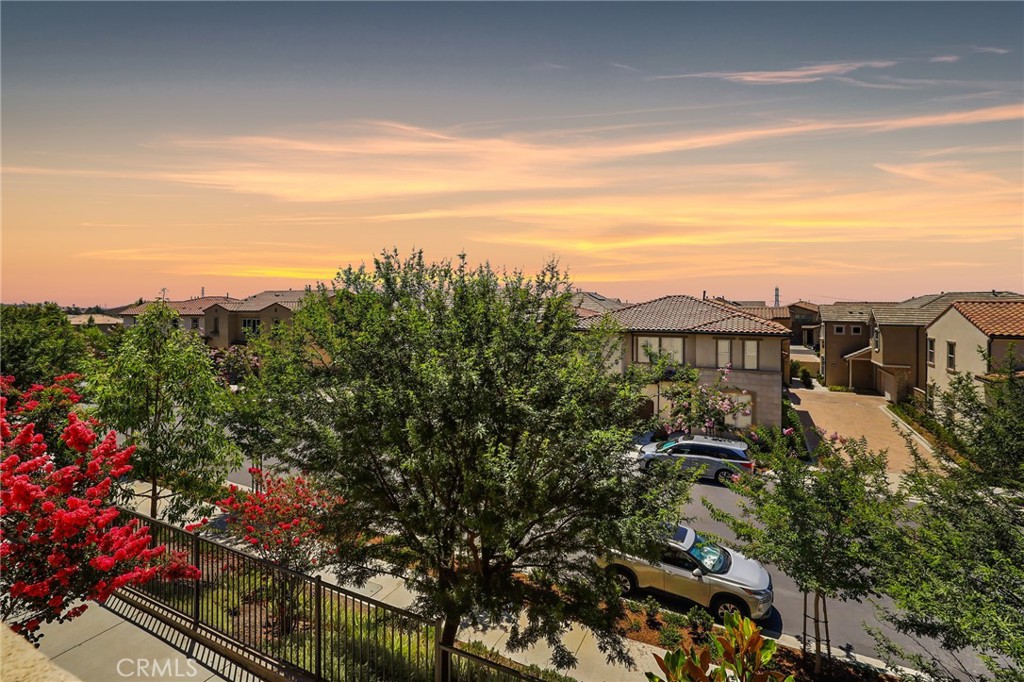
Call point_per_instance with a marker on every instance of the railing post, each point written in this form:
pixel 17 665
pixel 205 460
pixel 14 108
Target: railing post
pixel 438 652
pixel 318 613
pixel 195 583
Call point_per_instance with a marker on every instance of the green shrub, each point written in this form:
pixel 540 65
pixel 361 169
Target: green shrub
pixel 675 619
pixel 836 388
pixel 700 623
pixel 633 606
pixel 669 636
pixel 652 608
pixel 794 368
pixel 805 378
pixel 635 625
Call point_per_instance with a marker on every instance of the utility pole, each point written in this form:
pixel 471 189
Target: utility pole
pixel 776 297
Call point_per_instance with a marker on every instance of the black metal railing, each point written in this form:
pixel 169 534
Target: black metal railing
pixel 310 626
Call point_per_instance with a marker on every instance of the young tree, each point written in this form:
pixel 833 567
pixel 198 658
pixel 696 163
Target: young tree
pixel 160 391
pixel 58 540
pixel 38 343
pixel 829 527
pixel 479 438
pixel 958 574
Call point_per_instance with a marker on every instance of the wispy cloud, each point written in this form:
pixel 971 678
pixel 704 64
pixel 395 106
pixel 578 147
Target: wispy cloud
pixel 549 66
pixel 990 50
pixel 944 173
pixel 624 67
pixel 945 59
pixel 804 74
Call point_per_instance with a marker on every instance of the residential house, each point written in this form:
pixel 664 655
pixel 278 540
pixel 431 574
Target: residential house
pixel 955 340
pixel 805 321
pixel 105 323
pixel 899 349
pixel 779 314
pixel 708 335
pixel 591 303
pixel 844 337
pixel 191 311
pixel 228 322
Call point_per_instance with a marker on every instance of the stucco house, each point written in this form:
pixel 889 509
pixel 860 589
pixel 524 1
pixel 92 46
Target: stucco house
pixel 191 311
pixel 105 323
pixel 228 322
pixel 956 340
pixel 844 339
pixel 590 303
pixel 898 349
pixel 707 335
pixel 805 321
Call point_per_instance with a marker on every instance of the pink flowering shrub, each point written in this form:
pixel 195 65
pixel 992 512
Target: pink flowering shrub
pixel 698 405
pixel 59 543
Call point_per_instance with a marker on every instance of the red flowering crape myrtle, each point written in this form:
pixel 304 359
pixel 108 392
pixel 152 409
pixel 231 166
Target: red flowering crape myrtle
pixel 282 522
pixel 59 543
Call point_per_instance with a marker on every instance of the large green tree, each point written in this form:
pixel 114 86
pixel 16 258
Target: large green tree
pixel 959 572
pixel 479 440
pixel 160 391
pixel 829 527
pixel 38 343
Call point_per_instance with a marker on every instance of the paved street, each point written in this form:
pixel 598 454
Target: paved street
pixel 846 619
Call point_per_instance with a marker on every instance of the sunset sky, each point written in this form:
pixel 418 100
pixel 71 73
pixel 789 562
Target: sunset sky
pixel 838 151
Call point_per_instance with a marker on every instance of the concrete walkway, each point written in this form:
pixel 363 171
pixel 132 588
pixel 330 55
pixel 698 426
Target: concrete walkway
pixel 854 415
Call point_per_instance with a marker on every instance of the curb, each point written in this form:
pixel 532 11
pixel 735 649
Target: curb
pixel 899 420
pixel 791 642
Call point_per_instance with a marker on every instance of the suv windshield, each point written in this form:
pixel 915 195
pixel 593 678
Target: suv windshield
pixel 710 556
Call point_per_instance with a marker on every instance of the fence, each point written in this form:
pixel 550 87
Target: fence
pixel 313 628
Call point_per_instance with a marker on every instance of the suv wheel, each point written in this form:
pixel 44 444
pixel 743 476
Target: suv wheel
pixel 722 605
pixel 626 580
pixel 725 476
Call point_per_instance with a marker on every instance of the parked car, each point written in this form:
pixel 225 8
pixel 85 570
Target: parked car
pixel 721 458
pixel 716 577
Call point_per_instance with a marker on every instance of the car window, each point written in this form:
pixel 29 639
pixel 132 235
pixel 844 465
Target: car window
pixel 680 449
pixel 677 558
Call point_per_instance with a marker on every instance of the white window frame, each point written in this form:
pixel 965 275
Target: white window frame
pixel 658 346
pixel 951 356
pixel 747 364
pixel 839 329
pixel 718 352
pixel 930 352
pixel 877 338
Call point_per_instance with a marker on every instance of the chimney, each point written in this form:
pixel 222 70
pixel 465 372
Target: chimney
pixel 704 296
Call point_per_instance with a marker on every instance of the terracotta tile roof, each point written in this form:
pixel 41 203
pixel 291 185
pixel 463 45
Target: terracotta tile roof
pixel 192 306
pixel 805 304
pixel 82 320
pixel 922 310
pixel 686 314
pixel 288 298
pixel 994 318
pixel 767 312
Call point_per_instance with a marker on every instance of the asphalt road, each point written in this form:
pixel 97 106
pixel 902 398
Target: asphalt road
pixel 847 619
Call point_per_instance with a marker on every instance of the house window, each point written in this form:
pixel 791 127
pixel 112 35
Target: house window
pixel 931 352
pixel 251 325
pixel 195 323
pixel 216 326
pixel 745 417
pixel 839 329
pixel 950 355
pixel 672 346
pixel 724 352
pixel 877 335
pixel 749 354
pixel 855 330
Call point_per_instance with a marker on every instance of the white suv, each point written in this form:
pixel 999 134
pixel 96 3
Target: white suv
pixel 718 578
pixel 721 458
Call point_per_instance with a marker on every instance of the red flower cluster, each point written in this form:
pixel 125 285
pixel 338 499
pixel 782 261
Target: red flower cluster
pixel 282 522
pixel 58 541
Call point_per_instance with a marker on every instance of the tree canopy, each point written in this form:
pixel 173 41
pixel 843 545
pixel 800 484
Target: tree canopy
pixel 159 390
pixel 38 343
pixel 479 439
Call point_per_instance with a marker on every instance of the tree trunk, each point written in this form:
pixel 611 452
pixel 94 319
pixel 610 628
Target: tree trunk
pixel 153 497
pixel 817 637
pixel 804 641
pixel 828 637
pixel 448 633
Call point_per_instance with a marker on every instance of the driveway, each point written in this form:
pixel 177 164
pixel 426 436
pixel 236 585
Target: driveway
pixel 854 415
